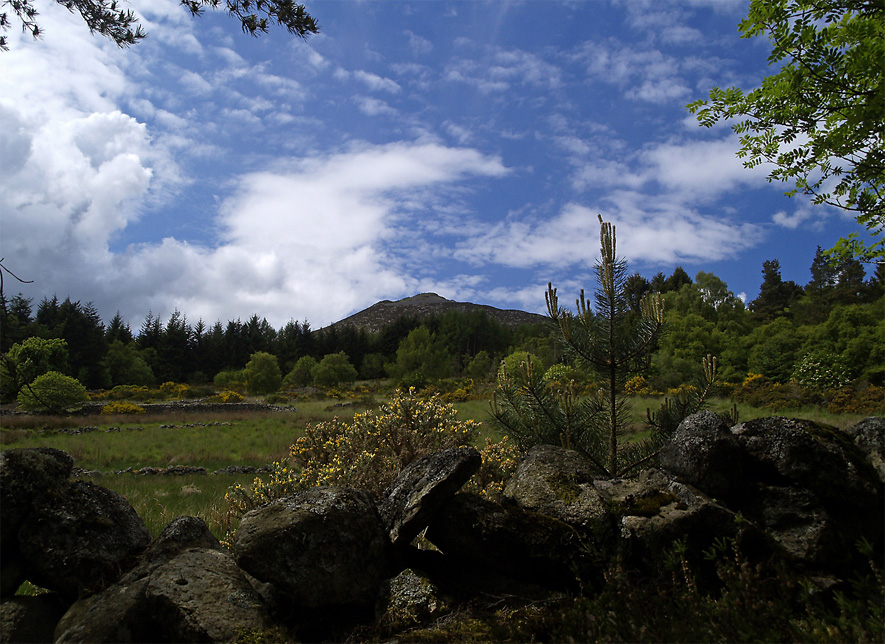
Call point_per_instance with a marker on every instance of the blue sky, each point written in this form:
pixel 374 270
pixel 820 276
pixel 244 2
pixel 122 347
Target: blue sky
pixel 463 148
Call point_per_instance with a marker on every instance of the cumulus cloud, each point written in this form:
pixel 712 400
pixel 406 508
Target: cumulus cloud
pixel 317 238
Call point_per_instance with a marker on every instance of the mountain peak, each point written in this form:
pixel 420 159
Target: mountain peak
pixel 384 313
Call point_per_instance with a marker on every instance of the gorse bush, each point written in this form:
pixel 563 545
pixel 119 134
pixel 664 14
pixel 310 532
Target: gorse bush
pixel 174 390
pixel 499 462
pixel 369 451
pixel 53 392
pixel 121 408
pixel 759 391
pixel 226 397
pixel 639 386
pixel 128 392
pixel 848 400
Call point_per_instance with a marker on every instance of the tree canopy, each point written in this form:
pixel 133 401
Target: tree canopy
pixel 105 17
pixel 819 118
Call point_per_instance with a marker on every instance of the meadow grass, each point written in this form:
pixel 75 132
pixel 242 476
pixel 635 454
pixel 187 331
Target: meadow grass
pixel 255 441
pixel 160 499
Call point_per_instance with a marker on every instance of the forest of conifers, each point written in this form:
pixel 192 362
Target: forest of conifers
pixel 837 318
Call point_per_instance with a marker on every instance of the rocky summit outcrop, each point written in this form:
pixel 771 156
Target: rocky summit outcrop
pixel 317 564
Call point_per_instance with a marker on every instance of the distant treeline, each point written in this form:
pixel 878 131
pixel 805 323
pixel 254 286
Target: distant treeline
pixel 838 316
pixel 104 355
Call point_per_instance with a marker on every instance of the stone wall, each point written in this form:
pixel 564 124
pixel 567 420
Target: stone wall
pixel 319 563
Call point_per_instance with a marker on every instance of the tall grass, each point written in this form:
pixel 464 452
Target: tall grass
pixel 160 499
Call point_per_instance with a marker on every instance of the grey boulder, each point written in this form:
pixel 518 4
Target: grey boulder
pixel 323 546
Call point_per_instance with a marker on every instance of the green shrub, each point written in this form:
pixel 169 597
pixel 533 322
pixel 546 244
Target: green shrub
pixel 334 368
pixel 480 367
pixel 421 358
pixel 512 365
pixel 302 373
pixel 262 374
pixel 28 359
pixel 232 380
pixel 121 408
pixel 53 392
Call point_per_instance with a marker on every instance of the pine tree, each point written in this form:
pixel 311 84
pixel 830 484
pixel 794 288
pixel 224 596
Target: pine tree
pixel 775 295
pixel 610 344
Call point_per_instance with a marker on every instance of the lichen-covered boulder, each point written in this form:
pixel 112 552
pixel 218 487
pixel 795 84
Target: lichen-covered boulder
pixel 81 539
pixel 869 436
pixel 408 600
pixel 421 488
pixel 655 511
pixel 180 535
pixel 25 475
pixel 821 459
pixel 202 596
pixel 184 588
pixel 117 614
pixel 321 547
pixel 797 521
pixel 558 482
pixel 704 453
pixel 30 618
pixel 473 531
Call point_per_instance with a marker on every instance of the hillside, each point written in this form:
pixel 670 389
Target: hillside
pixel 384 313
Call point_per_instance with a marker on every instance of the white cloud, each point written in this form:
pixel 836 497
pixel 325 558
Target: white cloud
pixel 700 168
pixel 419 46
pixel 651 231
pixel 374 107
pixel 372 81
pixel 644 74
pixel 497 69
pixel 315 239
pixel 808 216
